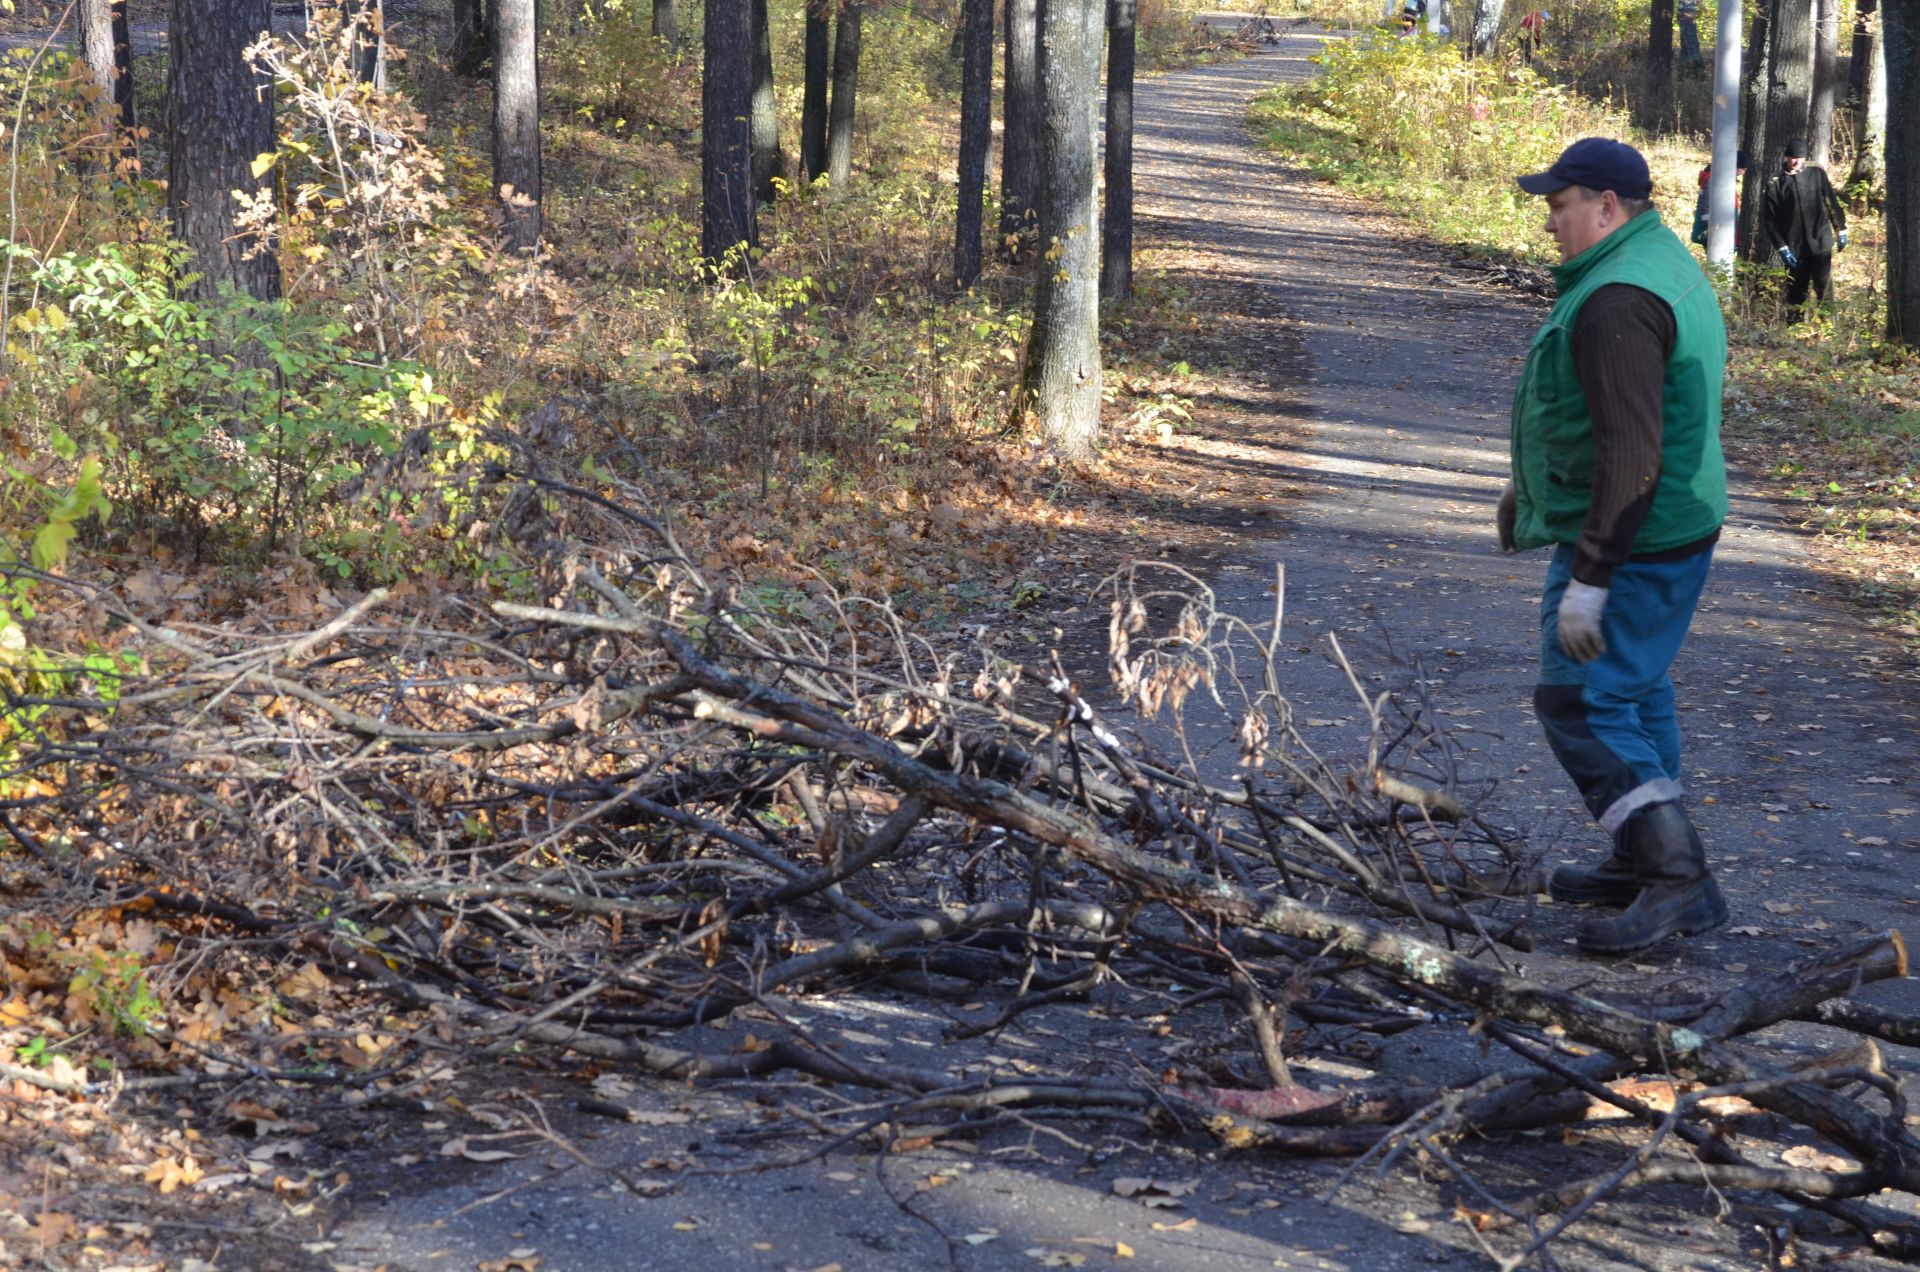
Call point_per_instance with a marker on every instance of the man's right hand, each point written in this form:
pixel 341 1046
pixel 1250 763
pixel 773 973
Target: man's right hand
pixel 1503 517
pixel 1789 259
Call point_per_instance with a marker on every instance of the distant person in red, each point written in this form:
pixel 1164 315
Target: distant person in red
pixel 1699 234
pixel 1533 33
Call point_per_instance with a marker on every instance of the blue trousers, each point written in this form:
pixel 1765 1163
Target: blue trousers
pixel 1611 722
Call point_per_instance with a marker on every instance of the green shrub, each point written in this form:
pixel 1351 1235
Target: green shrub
pixel 1437 135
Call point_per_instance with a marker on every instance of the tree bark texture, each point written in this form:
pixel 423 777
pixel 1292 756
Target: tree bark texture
pixel 1753 120
pixel 976 137
pixel 1826 54
pixel 107 51
pixel 1116 225
pixel 1061 378
pixel 467 49
pixel 1865 25
pixel 1021 106
pixel 1789 95
pixel 666 23
pixel 813 103
pixel 221 119
pixel 846 82
pixel 516 122
pixel 1658 101
pixel 768 162
pixel 1900 33
pixel 1869 158
pixel 1486 26
pixel 726 170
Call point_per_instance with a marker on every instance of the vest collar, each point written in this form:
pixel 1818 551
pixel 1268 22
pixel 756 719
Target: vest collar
pixel 1569 274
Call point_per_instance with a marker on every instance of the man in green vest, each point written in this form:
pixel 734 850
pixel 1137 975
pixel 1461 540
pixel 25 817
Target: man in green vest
pixel 1617 467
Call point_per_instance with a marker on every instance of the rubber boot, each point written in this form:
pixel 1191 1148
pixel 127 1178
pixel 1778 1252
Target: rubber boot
pixel 1613 882
pixel 1677 895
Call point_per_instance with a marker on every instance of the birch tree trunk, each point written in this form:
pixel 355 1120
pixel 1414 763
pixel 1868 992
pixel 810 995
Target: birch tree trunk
pixel 1486 26
pixel 1061 377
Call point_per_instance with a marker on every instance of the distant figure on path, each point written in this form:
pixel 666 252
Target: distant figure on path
pixel 1617 466
pixel 1412 15
pixel 1808 223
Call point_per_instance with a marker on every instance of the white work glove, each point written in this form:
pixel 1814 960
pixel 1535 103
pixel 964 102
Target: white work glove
pixel 1580 608
pixel 1504 514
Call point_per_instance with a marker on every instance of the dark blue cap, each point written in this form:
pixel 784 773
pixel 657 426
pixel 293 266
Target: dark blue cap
pixel 1598 163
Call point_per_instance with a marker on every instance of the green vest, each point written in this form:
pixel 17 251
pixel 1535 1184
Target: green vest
pixel 1553 435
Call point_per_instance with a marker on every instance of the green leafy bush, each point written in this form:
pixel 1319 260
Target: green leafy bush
pixel 1438 135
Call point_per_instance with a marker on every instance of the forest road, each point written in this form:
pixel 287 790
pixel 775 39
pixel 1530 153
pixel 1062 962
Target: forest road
pixel 1372 403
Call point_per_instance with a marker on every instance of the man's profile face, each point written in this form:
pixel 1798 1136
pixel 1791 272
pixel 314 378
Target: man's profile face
pixel 1794 163
pixel 1577 220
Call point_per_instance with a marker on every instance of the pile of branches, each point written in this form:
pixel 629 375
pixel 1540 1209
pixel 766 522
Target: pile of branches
pixel 640 799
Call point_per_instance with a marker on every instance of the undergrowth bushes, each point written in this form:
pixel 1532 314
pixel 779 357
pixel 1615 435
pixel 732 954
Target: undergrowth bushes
pixel 1437 134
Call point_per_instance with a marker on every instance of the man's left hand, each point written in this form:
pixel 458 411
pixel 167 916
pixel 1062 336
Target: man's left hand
pixel 1841 238
pixel 1580 609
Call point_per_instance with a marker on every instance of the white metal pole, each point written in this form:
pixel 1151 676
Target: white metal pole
pixel 1722 184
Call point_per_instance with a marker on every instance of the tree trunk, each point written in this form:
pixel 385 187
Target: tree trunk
pixel 846 80
pixel 1061 378
pixel 813 105
pixel 1789 99
pixel 1753 122
pixel 369 19
pixel 1826 53
pixel 976 136
pixel 1486 26
pixel 1021 106
pixel 726 99
pixel 666 23
pixel 1116 226
pixel 1870 158
pixel 1721 192
pixel 107 52
pixel 467 51
pixel 1657 104
pixel 768 162
pixel 221 118
pixel 1900 33
pixel 1864 26
pixel 516 122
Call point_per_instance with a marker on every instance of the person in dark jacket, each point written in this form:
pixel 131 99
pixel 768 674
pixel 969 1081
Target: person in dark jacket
pixel 1808 223
pixel 1617 466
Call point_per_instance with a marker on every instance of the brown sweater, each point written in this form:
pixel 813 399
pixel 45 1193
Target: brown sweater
pixel 1621 342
